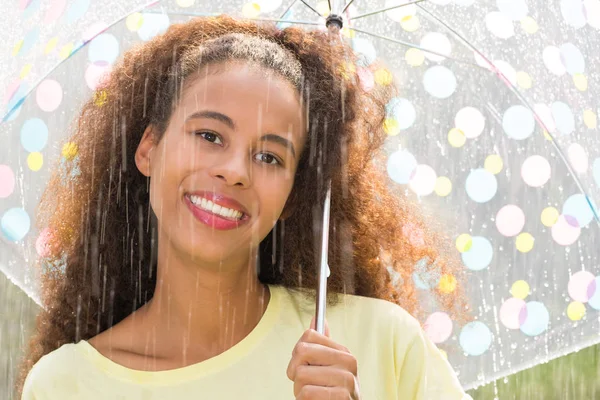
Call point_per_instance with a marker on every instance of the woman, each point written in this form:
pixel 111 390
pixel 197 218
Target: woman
pixel 191 232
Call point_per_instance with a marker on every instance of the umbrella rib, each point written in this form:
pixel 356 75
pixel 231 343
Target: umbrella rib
pixel 346 6
pixel 523 100
pixel 415 46
pixel 309 6
pixel 384 9
pixel 288 9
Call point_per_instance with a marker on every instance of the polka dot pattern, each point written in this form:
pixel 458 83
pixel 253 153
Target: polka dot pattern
pixel 517 183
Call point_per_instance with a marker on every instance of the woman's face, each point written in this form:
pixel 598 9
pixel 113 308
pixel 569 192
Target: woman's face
pixel 235 140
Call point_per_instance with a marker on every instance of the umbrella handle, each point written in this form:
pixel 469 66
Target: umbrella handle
pixel 324 271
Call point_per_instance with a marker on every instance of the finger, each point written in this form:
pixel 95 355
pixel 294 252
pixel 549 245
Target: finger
pixel 313 336
pixel 313 325
pixel 311 375
pixel 321 393
pixel 306 353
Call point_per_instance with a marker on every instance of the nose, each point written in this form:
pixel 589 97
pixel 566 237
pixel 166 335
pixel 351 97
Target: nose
pixel 233 169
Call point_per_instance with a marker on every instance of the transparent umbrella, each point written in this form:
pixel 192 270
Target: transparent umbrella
pixel 494 128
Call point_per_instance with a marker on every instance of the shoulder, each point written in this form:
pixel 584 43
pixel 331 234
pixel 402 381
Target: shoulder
pixel 51 370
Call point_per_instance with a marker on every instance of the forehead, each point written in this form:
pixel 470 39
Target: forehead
pixel 243 91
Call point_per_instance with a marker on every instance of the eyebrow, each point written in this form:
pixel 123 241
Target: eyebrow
pixel 269 137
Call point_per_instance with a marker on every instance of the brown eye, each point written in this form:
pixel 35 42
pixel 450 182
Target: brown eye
pixel 268 159
pixel 209 136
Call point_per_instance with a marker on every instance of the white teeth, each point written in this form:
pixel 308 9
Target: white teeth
pixel 215 208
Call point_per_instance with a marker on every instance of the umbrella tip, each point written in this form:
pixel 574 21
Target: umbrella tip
pixel 334 21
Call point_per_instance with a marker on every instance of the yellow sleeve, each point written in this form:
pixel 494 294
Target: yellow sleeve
pixel 424 374
pixel 27 393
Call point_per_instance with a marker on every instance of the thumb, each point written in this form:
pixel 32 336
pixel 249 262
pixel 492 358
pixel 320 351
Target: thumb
pixel 313 325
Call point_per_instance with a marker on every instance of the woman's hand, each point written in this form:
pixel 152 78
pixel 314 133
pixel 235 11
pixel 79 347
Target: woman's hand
pixel 322 369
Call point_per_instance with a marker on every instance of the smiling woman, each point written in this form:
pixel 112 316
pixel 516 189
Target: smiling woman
pixel 191 245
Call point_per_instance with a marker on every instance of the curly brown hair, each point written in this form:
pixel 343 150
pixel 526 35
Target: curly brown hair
pixel 105 230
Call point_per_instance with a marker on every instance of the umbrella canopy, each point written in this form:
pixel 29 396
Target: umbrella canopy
pixel 494 128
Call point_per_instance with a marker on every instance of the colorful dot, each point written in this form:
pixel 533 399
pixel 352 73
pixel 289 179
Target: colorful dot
pixel 70 151
pixel 365 50
pixel 499 25
pixel 475 338
pixel 525 242
pixel 42 243
pixel 510 220
pixel 481 185
pixel 439 81
pixel 438 327
pixel 96 74
pixel 520 289
pixel 447 283
pixel 572 58
pixel 103 48
pixel 267 6
pixel 423 180
pixel 581 82
pixel 493 164
pixel 54 11
pixel 443 186
pixel 456 138
pixel 65 51
pixel 15 224
pixel 414 57
pixel 7 181
pixel 538 319
pixel 529 25
pixel 383 77
pixel 403 111
pixel 401 165
pixel 470 121
pixel 391 126
pixel 410 23
pixel 438 43
pixel 513 313
pixel 596 171
pixel 77 9
pixel 590 120
pixel 49 95
pixel 576 311
pixel 34 135
pixel 153 25
pixel 524 80
pixel 594 300
pixel 536 171
pixel 480 255
pixel 134 21
pixel 515 9
pixel 251 10
pixel 399 13
pixel 51 45
pixel 25 71
pixel 28 42
pixel 464 242
pixel 549 216
pixel 35 161
pixel 563 117
pixel 579 285
pixel 578 158
pixel 366 79
pixel 566 231
pixel 577 206
pixel 518 122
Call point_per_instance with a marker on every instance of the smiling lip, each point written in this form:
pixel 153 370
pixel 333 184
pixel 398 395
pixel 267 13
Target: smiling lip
pixel 214 220
pixel 221 200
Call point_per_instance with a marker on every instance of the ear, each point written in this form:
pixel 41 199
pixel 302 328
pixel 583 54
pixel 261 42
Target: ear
pixel 143 154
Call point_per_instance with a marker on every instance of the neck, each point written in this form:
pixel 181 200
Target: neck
pixel 199 311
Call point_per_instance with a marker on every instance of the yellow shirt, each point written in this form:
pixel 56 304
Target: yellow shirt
pixel 395 360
